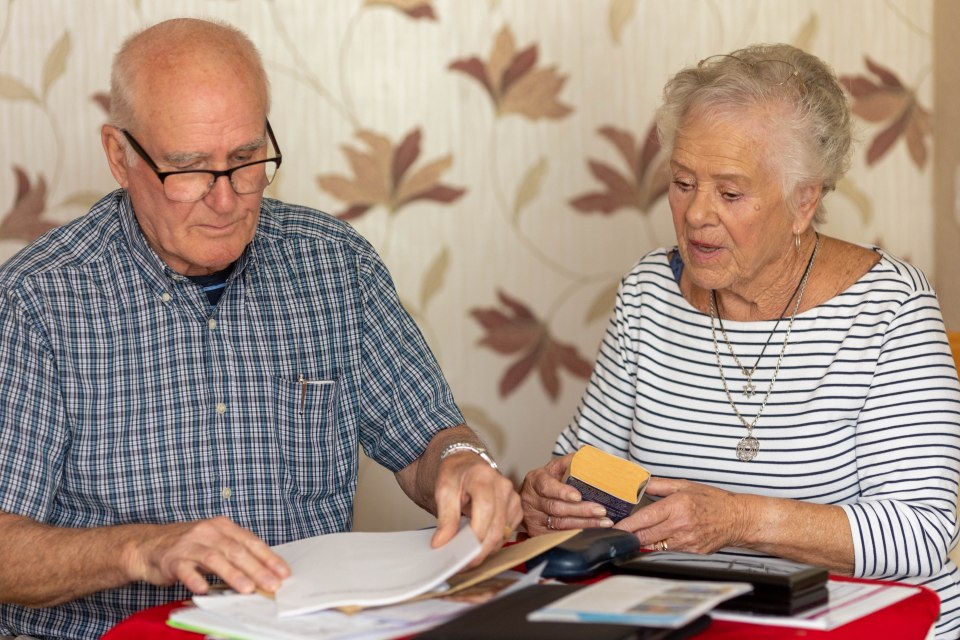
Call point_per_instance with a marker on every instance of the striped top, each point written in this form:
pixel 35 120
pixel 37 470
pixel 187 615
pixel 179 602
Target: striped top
pixel 865 412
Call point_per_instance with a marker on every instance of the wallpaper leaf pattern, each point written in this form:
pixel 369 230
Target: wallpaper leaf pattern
pixel 511 74
pixel 513 81
pixel 380 176
pixel 56 62
pixel 530 186
pixel 434 278
pixel 884 99
pixel 24 220
pixel 515 330
pixel 416 9
pixel 645 181
pixel 620 13
pixel 13 89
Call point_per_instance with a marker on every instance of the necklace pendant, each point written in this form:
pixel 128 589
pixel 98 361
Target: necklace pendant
pixel 749 389
pixel 747 448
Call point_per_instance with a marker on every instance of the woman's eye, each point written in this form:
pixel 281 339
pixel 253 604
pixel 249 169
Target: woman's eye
pixel 730 196
pixel 683 185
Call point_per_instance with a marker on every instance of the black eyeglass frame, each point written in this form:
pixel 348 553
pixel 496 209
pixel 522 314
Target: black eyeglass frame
pixel 163 175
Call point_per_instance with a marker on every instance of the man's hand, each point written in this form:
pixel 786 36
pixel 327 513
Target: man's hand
pixel 549 503
pixel 467 484
pixel 43 565
pixel 164 554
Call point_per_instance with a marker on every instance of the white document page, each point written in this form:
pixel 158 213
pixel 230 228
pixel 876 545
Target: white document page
pixel 366 569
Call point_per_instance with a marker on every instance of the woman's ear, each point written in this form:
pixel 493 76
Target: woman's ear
pixel 807 198
pixel 115 148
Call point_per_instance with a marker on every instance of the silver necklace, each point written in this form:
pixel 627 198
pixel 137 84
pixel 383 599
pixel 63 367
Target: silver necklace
pixel 749 389
pixel 748 446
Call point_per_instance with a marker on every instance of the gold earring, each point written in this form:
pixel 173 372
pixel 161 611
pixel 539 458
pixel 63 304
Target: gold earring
pixel 796 236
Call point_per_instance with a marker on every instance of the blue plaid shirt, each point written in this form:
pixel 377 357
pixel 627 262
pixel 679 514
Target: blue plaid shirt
pixel 125 397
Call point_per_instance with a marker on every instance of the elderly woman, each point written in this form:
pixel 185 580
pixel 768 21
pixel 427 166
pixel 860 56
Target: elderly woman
pixel 792 394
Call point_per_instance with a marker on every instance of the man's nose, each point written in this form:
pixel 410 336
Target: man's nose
pixel 221 197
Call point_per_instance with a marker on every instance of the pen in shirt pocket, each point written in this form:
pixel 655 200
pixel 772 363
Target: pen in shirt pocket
pixel 303 388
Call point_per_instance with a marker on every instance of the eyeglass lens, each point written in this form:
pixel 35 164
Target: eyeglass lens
pixel 192 186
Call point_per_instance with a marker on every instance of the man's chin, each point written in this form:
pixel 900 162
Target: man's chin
pixel 213 261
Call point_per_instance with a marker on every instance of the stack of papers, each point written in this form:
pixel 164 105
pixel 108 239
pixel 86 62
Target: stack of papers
pixel 335 575
pixel 366 569
pixel 256 619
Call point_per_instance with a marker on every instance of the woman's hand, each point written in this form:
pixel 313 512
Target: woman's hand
pixel 689 516
pixel 550 504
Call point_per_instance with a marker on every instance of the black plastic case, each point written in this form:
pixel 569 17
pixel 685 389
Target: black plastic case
pixel 780 587
pixel 586 553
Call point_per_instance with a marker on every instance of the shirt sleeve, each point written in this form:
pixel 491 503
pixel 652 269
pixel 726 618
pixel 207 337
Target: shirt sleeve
pixel 404 398
pixel 33 431
pixel 908 438
pixel 604 417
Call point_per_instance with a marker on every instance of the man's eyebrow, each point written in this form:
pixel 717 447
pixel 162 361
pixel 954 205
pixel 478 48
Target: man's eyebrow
pixel 188 157
pixel 253 145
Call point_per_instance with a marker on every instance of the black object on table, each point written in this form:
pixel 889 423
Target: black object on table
pixel 505 618
pixel 780 587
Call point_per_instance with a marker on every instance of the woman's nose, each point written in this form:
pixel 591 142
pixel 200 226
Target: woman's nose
pixel 701 209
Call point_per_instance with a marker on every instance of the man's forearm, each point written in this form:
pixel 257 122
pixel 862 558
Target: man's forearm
pixel 42 565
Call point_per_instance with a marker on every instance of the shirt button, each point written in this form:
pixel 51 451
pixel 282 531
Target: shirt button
pixel 212 323
pixel 166 297
pixel 225 493
pixel 221 408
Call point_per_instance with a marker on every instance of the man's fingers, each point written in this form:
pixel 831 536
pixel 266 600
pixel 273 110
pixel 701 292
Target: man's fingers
pixel 448 518
pixel 276 567
pixel 191 577
pixel 189 551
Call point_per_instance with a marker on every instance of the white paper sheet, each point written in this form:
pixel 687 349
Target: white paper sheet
pixel 363 569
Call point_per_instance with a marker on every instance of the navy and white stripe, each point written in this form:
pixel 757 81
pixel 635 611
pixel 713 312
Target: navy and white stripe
pixel 865 412
pixel 125 397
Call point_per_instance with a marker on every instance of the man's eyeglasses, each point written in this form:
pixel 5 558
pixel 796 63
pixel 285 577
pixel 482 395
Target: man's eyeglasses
pixel 193 184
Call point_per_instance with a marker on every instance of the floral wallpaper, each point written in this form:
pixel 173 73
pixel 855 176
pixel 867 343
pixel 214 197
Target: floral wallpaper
pixel 500 154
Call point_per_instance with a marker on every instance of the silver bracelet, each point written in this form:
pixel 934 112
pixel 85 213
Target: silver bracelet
pixel 457 447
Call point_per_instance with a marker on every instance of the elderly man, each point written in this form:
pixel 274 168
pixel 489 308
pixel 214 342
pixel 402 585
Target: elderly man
pixel 190 369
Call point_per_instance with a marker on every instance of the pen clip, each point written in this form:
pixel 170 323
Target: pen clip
pixel 303 392
pixel 303 388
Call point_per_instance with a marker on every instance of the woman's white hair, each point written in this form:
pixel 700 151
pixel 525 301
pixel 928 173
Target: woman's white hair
pixel 810 129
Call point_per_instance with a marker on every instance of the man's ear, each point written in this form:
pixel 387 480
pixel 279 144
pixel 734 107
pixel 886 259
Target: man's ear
pixel 115 148
pixel 807 198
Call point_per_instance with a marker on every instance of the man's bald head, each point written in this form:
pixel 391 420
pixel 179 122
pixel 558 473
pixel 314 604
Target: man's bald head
pixel 177 52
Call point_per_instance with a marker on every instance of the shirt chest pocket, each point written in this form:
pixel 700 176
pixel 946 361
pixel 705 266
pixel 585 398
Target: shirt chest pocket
pixel 315 454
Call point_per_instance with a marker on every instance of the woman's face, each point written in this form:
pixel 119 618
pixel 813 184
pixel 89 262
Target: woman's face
pixel 733 226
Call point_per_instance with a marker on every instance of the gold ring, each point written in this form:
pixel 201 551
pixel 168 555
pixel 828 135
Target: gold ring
pixel 507 531
pixel 661 545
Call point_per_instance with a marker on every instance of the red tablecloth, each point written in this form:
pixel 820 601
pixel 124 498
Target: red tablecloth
pixel 908 619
